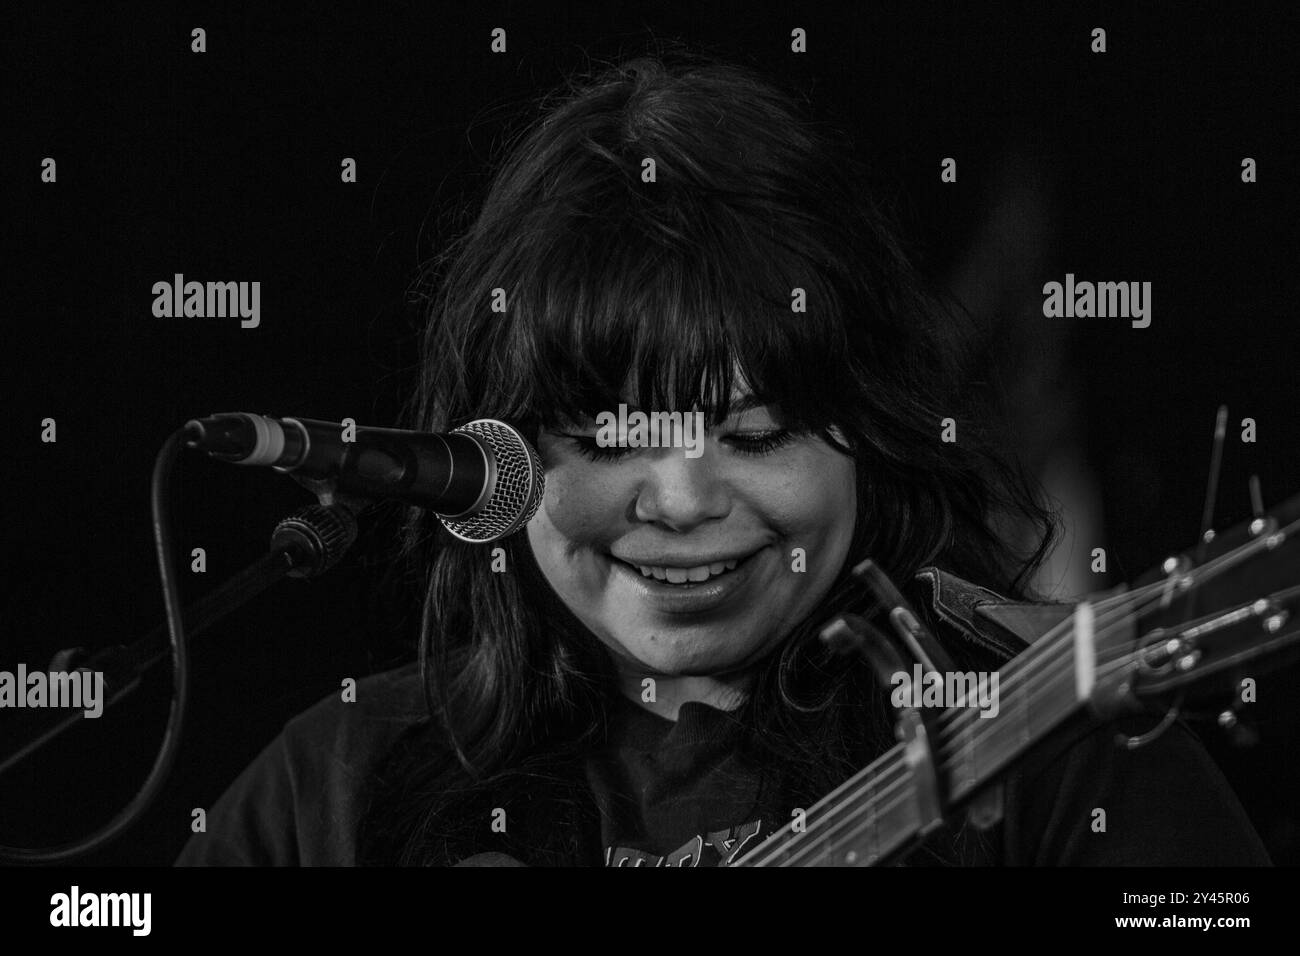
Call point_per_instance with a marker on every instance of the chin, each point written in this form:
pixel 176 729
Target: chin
pixel 689 657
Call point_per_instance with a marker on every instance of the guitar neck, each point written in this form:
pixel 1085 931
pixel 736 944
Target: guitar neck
pixel 877 812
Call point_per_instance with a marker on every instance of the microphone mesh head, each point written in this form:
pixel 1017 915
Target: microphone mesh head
pixel 518 483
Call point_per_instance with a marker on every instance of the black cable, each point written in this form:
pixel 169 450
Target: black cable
pixel 160 497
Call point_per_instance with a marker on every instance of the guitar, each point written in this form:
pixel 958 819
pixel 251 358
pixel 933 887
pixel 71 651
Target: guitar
pixel 1202 615
pixel 1198 620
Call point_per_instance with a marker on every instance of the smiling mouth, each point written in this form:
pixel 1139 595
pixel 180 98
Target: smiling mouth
pixel 685 577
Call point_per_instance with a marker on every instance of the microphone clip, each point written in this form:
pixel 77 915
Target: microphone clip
pixel 315 538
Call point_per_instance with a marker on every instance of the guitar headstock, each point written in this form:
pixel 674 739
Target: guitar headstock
pixel 1229 604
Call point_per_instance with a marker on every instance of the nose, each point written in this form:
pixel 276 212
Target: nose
pixel 681 493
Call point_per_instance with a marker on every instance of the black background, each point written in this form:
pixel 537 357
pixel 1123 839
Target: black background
pixel 225 166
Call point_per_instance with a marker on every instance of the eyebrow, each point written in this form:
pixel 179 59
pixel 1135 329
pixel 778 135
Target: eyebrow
pixel 746 403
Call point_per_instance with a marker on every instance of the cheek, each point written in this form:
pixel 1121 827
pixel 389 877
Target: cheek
pixel 581 508
pixel 840 493
pixel 817 500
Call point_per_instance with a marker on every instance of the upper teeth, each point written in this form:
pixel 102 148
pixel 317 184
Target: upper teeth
pixel 682 575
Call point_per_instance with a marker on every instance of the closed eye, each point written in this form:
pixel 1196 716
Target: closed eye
pixel 587 446
pixel 761 443
pixel 744 443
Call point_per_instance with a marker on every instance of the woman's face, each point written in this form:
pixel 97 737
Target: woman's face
pixel 688 566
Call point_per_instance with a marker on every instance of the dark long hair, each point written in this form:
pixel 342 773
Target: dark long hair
pixel 675 285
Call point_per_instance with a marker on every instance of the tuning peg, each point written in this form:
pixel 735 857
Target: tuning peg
pixel 1258 525
pixel 1212 485
pixel 1241 734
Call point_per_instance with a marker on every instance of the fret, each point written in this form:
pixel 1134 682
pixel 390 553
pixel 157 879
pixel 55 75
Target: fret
pixel 1024 728
pixel 963 772
pixel 871 838
pixel 898 823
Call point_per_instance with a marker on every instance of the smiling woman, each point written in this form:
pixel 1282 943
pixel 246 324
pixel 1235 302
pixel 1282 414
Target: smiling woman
pixel 644 684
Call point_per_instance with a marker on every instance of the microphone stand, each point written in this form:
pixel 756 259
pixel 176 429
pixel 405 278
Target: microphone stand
pixel 303 545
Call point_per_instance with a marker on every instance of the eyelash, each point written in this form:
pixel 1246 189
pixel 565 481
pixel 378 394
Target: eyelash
pixel 761 443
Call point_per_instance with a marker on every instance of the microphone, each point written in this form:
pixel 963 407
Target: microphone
pixel 482 480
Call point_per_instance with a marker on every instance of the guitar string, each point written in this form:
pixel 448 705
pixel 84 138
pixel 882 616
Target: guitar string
pixel 1123 604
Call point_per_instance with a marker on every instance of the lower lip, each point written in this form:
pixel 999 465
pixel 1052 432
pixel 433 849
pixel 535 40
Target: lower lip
pixel 690 598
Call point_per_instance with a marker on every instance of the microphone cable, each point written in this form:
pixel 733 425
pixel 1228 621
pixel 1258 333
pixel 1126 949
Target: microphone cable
pixel 160 498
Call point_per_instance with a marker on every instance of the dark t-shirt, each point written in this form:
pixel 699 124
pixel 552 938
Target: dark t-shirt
pixel 687 798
